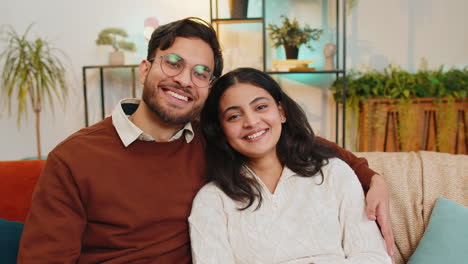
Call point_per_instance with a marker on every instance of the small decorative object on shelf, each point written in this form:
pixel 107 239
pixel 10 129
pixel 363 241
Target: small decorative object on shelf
pixel 292 65
pixel 238 8
pixel 329 51
pixel 292 36
pixel 115 37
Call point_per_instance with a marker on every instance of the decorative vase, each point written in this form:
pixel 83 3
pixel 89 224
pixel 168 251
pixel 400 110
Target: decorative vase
pixel 117 58
pixel 291 52
pixel 329 52
pixel 238 8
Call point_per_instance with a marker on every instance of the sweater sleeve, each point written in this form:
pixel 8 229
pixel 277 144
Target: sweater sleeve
pixel 362 242
pixel 56 219
pixel 208 229
pixel 359 165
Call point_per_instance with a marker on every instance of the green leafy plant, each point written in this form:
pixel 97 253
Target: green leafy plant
pixel 290 33
pixel 33 75
pixel 445 87
pixel 115 37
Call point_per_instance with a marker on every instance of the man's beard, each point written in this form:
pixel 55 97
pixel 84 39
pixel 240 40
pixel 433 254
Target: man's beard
pixel 167 115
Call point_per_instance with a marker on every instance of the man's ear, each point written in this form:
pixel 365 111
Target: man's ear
pixel 282 114
pixel 143 70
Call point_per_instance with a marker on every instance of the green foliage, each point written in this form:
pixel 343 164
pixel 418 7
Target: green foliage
pixel 445 87
pixel 32 72
pixel 395 83
pixel 290 33
pixel 115 37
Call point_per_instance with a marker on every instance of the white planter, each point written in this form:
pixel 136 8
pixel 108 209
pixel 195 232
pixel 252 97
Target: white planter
pixel 117 58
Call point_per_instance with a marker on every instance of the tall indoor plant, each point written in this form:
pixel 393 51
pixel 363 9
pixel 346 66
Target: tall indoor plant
pixel 292 36
pixel 33 76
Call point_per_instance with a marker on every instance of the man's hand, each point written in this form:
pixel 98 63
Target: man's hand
pixel 378 208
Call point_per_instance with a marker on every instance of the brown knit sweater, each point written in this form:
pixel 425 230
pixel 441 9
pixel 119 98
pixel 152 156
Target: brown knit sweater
pixel 99 202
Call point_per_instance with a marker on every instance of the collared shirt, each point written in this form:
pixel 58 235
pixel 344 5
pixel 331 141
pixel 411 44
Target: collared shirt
pixel 129 132
pixel 306 220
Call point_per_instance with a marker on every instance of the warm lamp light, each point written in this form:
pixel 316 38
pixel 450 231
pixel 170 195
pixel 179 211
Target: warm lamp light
pixel 151 23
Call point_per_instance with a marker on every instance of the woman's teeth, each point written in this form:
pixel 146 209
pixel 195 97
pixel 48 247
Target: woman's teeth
pixel 256 134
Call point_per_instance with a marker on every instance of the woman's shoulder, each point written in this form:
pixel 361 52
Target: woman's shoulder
pixel 338 172
pixel 211 199
pixel 336 164
pixel 210 193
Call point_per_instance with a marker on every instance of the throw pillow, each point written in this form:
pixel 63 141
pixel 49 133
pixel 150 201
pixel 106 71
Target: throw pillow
pixel 446 237
pixel 10 234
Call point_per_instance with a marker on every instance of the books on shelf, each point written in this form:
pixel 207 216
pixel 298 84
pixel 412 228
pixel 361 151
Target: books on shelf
pixel 292 65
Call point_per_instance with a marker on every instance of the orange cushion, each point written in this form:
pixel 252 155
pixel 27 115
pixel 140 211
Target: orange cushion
pixel 17 181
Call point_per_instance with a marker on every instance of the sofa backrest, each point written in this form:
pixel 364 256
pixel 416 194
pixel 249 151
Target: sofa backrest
pixel 416 180
pixel 17 181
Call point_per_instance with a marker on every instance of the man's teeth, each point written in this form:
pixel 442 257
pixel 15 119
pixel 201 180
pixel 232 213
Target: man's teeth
pixel 178 96
pixel 256 134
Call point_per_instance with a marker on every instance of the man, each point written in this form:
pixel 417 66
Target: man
pixel 121 190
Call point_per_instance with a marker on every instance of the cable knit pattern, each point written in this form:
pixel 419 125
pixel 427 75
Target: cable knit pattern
pixel 302 222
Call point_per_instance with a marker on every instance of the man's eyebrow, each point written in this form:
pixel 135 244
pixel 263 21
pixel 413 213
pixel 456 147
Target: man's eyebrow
pixel 235 107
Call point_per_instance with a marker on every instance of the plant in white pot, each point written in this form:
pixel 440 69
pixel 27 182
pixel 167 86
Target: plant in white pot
pixel 115 37
pixel 33 76
pixel 292 36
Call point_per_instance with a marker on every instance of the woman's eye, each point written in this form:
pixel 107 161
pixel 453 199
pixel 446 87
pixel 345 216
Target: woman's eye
pixel 232 117
pixel 260 107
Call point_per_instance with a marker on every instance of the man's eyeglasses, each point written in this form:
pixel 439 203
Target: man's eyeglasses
pixel 173 65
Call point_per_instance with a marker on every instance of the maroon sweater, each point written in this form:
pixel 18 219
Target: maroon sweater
pixel 99 202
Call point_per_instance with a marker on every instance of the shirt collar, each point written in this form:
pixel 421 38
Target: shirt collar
pixel 129 132
pixel 285 174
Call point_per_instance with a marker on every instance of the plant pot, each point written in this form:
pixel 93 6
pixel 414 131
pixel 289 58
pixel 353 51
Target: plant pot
pixel 238 8
pixel 291 52
pixel 117 58
pixel 386 125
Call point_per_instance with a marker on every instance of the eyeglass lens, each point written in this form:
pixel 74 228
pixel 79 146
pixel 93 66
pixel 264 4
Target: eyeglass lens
pixel 173 65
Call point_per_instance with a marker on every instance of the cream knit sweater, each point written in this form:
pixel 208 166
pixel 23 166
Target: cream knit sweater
pixel 302 222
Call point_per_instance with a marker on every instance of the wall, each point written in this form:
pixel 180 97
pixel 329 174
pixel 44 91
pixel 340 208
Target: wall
pixel 73 27
pixel 379 32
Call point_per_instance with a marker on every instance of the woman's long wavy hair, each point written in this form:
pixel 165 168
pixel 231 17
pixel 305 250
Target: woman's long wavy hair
pixel 297 147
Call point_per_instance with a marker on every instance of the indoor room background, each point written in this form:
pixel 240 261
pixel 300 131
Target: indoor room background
pixel 379 32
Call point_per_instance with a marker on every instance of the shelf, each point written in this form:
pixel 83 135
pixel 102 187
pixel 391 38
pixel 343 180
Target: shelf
pixel 316 71
pixel 340 55
pixel 237 20
pixel 110 66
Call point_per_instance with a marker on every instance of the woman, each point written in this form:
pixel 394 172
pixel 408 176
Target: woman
pixel 276 194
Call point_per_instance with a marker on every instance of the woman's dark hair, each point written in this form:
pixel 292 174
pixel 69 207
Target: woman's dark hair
pixel 297 148
pixel 192 27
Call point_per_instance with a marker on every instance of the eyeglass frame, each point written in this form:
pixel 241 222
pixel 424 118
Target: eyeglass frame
pixel 212 78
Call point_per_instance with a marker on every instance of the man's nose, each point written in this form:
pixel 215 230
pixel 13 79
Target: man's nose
pixel 184 77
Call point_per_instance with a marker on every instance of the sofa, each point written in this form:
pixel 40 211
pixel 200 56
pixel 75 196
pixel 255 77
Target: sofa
pixel 17 181
pixel 415 179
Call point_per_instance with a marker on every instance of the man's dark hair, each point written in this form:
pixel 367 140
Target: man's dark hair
pixel 192 27
pixel 297 148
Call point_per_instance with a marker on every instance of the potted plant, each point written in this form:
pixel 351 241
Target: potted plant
pixel 115 37
pixel 33 76
pixel 292 36
pixel 395 110
pixel 238 8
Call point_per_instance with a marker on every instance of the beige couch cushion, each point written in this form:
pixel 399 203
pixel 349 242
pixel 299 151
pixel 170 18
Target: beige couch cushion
pixel 444 175
pixel 416 180
pixel 403 173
